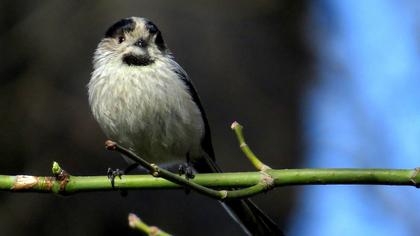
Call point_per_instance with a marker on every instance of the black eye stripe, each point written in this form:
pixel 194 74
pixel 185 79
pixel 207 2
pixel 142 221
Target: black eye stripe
pixel 120 27
pixel 152 28
pixel 159 41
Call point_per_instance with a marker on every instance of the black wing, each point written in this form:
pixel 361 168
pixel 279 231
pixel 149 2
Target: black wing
pixel 206 143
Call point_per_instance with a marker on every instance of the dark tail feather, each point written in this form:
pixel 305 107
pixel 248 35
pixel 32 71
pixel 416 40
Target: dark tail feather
pixel 251 218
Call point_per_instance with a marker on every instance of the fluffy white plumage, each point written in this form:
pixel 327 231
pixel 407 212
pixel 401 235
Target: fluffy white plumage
pixel 146 108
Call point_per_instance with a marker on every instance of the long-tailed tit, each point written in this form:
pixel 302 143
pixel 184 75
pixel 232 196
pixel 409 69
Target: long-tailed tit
pixel 145 101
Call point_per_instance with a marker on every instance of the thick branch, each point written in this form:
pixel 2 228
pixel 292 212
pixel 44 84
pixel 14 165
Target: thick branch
pixel 287 177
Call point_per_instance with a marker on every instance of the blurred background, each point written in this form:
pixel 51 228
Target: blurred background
pixel 315 83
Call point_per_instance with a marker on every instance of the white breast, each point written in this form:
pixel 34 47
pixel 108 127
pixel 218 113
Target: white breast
pixel 148 109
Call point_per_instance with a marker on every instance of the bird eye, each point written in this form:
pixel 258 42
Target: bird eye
pixel 121 39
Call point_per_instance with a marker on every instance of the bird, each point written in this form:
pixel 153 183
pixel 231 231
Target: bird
pixel 144 100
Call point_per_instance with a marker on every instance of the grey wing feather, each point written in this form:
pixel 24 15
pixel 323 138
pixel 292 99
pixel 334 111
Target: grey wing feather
pixel 206 143
pixel 250 217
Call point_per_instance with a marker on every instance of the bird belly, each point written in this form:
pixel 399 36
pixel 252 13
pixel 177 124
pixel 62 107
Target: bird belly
pixel 151 113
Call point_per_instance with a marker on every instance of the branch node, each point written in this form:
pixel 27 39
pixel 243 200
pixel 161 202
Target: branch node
pixel 133 220
pixel 59 173
pixel 413 176
pixel 62 176
pixel 136 223
pixel 267 180
pixel 155 171
pixel 153 230
pixel 234 125
pixel 224 194
pixel 24 182
pixel 110 145
pixel 56 169
pixel 264 167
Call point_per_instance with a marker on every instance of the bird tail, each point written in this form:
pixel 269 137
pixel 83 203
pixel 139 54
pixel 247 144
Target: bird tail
pixel 251 218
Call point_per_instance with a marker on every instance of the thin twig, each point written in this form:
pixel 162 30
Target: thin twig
pixel 246 149
pixel 156 171
pixel 136 223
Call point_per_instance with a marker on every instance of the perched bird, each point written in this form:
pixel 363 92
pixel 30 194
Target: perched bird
pixel 145 101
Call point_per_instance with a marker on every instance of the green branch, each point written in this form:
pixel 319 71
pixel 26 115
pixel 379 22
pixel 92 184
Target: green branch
pixel 136 223
pixel 287 177
pixel 246 149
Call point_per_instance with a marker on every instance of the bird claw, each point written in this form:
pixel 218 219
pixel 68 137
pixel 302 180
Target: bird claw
pixel 112 174
pixel 185 169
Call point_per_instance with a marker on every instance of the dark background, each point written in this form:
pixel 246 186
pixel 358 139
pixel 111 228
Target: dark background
pixel 248 60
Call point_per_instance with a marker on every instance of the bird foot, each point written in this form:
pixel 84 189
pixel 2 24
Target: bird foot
pixel 112 174
pixel 185 169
